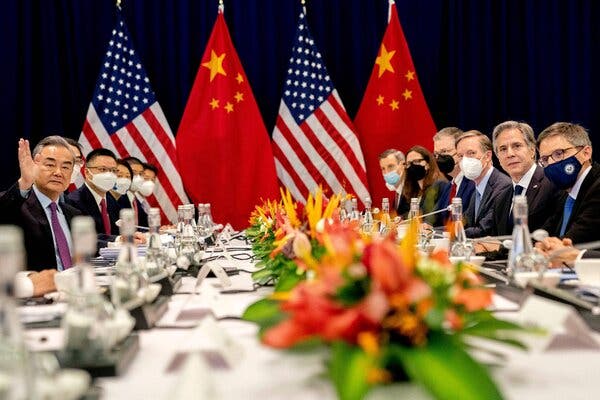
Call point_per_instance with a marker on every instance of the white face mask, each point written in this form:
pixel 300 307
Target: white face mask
pixel 76 173
pixel 471 167
pixel 105 180
pixel 146 188
pixel 122 185
pixel 136 183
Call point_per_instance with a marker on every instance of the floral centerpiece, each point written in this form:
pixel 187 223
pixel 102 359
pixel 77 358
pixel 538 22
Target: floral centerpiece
pixel 386 313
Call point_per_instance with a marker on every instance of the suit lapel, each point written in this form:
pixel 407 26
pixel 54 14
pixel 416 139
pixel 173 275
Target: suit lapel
pixel 585 185
pixel 37 213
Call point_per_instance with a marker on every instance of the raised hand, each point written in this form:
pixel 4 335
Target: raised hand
pixel 26 165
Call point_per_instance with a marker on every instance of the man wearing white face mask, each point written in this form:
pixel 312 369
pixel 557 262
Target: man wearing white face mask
pixel 137 169
pixel 474 150
pixel 91 198
pixel 79 161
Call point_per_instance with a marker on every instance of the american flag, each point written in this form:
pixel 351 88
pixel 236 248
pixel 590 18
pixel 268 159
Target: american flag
pixel 314 142
pixel 125 117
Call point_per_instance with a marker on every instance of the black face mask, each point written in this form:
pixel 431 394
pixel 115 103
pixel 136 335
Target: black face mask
pixel 445 163
pixel 415 172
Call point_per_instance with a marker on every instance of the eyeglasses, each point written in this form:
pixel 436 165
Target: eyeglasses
pixel 556 155
pixel 444 152
pixel 417 161
pixel 103 169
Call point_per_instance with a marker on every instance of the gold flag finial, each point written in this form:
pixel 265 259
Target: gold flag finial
pixel 221 6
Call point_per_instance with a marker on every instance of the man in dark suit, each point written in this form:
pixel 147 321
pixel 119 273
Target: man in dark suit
pixel 135 198
pixel 393 166
pixel 474 149
pixel 33 203
pixel 91 198
pixel 444 151
pixel 566 154
pixel 514 145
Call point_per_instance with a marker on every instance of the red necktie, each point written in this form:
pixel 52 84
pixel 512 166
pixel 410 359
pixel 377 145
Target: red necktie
pixel 452 193
pixel 135 210
pixel 105 219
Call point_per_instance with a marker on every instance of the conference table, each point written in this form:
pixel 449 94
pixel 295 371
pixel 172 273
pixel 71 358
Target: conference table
pixel 201 349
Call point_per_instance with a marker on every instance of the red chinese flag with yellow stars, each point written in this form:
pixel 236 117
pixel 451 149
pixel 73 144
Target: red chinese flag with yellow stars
pixel 393 112
pixel 223 148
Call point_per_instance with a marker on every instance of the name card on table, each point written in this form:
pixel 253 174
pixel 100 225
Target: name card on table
pixel 565 328
pixel 195 381
pixel 218 269
pixel 220 340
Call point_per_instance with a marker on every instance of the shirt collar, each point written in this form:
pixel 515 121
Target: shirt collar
pixel 525 179
pixel 97 197
pixel 481 186
pixel 45 201
pixel 393 188
pixel 575 189
pixel 458 178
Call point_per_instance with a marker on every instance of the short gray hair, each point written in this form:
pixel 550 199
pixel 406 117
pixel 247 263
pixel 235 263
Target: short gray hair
pixel 397 153
pixel 484 142
pixel 449 131
pixel 53 140
pixel 575 134
pixel 525 129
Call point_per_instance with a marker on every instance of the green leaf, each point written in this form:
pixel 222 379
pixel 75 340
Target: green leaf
pixel 288 280
pixel 348 369
pixel 265 313
pixel 444 368
pixel 353 291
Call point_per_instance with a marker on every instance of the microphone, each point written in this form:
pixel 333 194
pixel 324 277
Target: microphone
pixel 441 210
pixel 506 240
pixel 141 228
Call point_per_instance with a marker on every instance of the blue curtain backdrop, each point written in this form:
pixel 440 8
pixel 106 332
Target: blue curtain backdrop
pixel 479 62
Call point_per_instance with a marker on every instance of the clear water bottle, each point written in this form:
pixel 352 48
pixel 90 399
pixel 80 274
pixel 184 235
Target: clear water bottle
pixel 367 217
pixel 188 252
pixel 522 257
pixel 83 321
pixel 354 214
pixel 415 210
pixel 460 246
pixel 156 260
pixel 127 280
pixel 15 369
pixel 385 221
pixel 204 227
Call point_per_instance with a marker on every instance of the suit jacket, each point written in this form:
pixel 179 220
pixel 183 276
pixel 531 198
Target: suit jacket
pixel 585 217
pixel 28 214
pixel 465 191
pixel 541 202
pixel 124 202
pixel 84 201
pixel 483 223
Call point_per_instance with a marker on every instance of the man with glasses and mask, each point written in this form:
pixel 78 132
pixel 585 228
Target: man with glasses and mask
pixel 565 153
pixel 393 167
pixel 515 147
pixel 91 198
pixel 474 150
pixel 33 204
pixel 444 151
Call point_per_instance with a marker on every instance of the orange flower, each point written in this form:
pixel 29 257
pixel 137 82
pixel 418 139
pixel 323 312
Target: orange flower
pixel 470 291
pixel 453 319
pixel 386 267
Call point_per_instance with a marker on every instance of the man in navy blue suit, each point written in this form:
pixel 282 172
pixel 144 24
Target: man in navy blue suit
pixel 444 151
pixel 515 147
pixel 33 203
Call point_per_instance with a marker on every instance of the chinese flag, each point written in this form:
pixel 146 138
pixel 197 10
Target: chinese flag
pixel 393 112
pixel 223 148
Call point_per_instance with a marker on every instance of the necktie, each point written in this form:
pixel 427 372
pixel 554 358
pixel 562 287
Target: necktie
pixel 452 193
pixel 566 214
pixel 59 237
pixel 135 211
pixel 105 219
pixel 477 202
pixel 518 190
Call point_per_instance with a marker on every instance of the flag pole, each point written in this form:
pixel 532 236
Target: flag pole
pixel 221 7
pixel 119 4
pixel 303 3
pixel 390 4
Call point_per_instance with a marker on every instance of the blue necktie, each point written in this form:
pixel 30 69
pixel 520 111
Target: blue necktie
pixel 566 214
pixel 518 190
pixel 477 202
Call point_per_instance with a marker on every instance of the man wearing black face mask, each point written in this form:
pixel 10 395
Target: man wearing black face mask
pixel 566 154
pixel 444 150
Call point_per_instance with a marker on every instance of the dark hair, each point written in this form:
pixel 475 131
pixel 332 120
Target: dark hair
pixel 74 143
pixel 123 163
pixel 433 173
pixel 99 152
pixel 151 167
pixel 133 160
